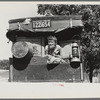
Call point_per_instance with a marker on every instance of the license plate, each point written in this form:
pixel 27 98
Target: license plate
pixel 41 24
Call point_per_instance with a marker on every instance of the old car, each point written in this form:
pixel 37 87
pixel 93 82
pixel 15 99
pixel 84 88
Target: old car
pixel 29 38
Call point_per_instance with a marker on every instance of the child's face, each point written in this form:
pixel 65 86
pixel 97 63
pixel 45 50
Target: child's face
pixel 51 44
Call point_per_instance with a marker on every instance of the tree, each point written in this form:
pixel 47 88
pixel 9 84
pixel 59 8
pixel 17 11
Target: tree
pixel 62 9
pixel 4 64
pixel 58 9
pixel 90 40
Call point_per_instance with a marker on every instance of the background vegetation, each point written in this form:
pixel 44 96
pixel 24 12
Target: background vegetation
pixel 4 64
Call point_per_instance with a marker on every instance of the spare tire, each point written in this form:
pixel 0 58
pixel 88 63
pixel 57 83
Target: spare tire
pixel 22 49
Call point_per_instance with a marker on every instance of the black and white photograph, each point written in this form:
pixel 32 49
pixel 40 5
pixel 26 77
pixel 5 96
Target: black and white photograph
pixel 50 44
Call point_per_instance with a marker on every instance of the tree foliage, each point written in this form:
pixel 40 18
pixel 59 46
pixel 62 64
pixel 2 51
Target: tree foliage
pixel 59 9
pixel 90 37
pixel 62 9
pixel 4 64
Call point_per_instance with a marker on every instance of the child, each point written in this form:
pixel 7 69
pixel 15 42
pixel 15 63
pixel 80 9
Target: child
pixel 52 50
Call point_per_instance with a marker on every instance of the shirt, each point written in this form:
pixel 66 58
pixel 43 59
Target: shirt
pixel 54 51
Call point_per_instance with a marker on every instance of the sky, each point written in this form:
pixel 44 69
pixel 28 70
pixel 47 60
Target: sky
pixel 12 10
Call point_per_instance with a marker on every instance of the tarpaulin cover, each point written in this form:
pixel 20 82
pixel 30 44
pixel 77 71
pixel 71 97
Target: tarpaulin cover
pixel 57 24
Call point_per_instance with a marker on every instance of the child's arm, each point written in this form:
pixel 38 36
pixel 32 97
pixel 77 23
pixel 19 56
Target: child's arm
pixel 57 52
